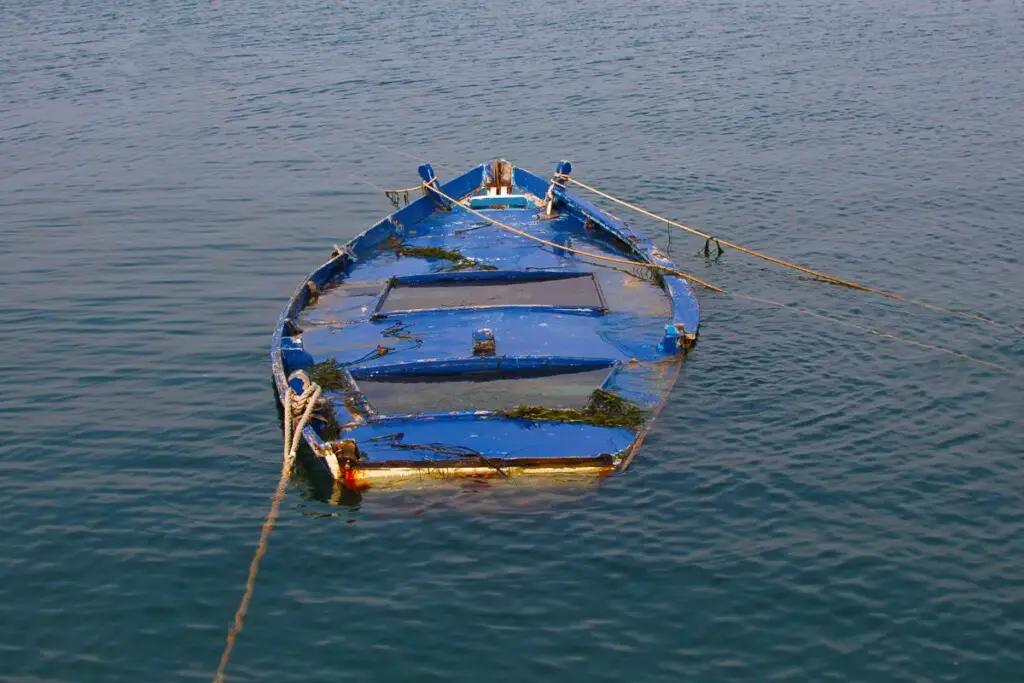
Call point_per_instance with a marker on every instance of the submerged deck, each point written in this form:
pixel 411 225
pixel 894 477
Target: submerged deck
pixel 396 320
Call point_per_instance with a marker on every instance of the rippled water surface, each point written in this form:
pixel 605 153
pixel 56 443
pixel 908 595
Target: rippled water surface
pixel 816 503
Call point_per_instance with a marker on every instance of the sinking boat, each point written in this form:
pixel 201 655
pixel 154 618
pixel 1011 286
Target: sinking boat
pixel 497 326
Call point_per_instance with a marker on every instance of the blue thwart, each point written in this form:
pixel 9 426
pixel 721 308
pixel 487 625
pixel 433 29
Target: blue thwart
pixel 452 339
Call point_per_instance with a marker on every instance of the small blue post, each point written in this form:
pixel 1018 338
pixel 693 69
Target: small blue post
pixel 673 341
pixel 426 172
pixel 564 168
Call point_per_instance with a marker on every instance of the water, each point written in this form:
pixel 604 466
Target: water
pixel 817 503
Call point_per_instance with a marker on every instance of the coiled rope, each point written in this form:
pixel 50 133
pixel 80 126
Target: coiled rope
pixel 295 403
pixel 432 187
pixel 830 278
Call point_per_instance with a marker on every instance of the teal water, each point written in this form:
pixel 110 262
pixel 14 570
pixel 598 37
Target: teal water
pixel 816 502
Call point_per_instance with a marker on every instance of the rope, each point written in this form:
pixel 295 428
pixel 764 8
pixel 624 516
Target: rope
pixel 405 190
pixel 395 196
pixel 294 403
pixel 886 335
pixel 737 247
pixel 787 264
pixel 600 257
pixel 847 283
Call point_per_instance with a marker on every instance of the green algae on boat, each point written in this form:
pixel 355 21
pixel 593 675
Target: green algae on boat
pixel 330 376
pixel 603 408
pixel 459 262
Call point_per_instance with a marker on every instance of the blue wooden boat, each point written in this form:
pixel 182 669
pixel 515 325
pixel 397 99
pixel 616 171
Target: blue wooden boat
pixel 450 342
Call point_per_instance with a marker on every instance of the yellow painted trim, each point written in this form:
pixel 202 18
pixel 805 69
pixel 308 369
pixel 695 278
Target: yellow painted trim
pixel 395 475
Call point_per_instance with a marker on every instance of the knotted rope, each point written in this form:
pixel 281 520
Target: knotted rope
pixel 295 403
pixel 298 403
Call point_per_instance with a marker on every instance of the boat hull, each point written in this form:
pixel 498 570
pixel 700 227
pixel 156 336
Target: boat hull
pixel 459 344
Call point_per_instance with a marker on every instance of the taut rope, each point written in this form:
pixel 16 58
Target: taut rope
pixel 294 403
pixel 600 257
pixel 737 247
pixel 787 264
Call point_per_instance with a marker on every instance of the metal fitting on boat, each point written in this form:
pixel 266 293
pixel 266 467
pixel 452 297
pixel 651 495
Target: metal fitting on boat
pixel 483 342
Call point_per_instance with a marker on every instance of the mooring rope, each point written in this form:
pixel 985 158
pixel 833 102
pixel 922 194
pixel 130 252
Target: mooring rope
pixel 706 236
pixel 560 180
pixel 600 257
pixel 823 276
pixel 886 335
pixel 294 403
pixel 830 278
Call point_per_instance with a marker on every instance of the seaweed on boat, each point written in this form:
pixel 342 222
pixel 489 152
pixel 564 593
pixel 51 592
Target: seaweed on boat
pixel 467 264
pixel 459 262
pixel 432 252
pixel 603 408
pixel 330 376
pixel 614 407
